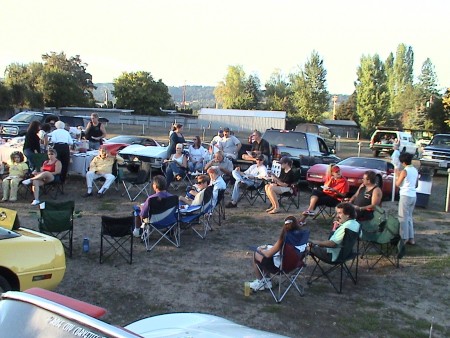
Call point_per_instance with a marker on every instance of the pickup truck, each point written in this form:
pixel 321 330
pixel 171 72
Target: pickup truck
pixel 305 149
pixel 18 124
pixel 436 155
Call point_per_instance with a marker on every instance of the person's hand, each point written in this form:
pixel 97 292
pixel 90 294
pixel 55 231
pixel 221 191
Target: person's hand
pixel 238 169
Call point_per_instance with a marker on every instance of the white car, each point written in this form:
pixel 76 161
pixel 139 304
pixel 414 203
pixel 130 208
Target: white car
pixel 138 153
pixel 45 313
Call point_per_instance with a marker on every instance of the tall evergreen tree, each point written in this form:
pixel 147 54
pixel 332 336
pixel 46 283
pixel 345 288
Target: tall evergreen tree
pixel 403 75
pixel 372 93
pixel 278 93
pixel 310 95
pixel 347 109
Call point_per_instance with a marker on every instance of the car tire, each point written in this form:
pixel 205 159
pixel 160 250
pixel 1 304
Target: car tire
pixel 4 285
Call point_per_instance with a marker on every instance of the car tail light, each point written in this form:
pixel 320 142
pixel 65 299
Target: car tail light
pixel 276 153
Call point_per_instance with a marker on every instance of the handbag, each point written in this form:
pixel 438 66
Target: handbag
pixel 9 219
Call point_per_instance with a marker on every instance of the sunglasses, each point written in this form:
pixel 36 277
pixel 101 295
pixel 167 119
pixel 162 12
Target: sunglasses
pixel 258 159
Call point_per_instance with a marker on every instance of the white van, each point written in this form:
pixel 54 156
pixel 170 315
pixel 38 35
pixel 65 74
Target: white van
pixel 383 141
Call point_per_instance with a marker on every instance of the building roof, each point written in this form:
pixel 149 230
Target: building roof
pixel 340 123
pixel 244 113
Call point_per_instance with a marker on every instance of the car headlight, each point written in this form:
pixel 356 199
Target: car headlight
pixel 427 154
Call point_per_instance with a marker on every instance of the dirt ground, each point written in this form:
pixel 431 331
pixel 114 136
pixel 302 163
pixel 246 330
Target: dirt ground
pixel 208 275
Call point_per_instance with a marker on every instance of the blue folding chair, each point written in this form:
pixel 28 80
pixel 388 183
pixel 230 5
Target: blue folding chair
pixel 162 221
pixel 197 216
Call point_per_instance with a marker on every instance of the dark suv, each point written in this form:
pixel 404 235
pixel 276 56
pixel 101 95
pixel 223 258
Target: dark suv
pixel 18 124
pixel 305 149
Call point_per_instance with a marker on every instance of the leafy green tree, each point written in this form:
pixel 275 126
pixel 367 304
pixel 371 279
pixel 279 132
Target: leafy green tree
pixel 310 95
pixel 139 91
pixel 5 98
pixel 278 93
pixel 446 108
pixel 371 93
pixel 347 109
pixel 229 93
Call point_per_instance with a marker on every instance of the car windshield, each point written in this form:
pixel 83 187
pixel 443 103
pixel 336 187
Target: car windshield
pixel 441 140
pixel 364 162
pixel 23 117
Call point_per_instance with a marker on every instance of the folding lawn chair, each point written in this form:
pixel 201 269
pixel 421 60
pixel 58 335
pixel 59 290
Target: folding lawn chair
pixel 217 213
pixel 135 186
pixel 54 187
pixel 116 172
pixel 292 262
pixel 197 216
pixel 292 197
pixel 163 221
pixel 56 219
pixel 252 192
pixel 115 234
pixel 381 235
pixel 348 253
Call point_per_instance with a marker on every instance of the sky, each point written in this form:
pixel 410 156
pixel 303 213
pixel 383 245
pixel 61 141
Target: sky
pixel 192 42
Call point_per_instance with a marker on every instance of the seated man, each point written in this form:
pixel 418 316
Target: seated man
pixel 250 177
pixel 195 195
pixel 259 147
pixel 217 182
pixel 329 250
pixel 229 144
pixel 101 166
pixel 224 164
pixel 334 190
pixel 159 185
pixel 367 197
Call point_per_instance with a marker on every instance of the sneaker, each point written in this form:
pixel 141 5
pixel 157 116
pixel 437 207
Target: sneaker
pixel 88 194
pixel 100 194
pixel 308 213
pixel 35 202
pixel 260 284
pixel 137 232
pixel 231 205
pixel 26 182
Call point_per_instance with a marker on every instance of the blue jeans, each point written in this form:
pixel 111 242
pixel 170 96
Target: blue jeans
pixel 239 178
pixel 30 158
pixel 406 206
pixel 173 170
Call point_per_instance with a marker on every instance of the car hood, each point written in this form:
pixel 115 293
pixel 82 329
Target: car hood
pixel 439 147
pixel 193 325
pixel 320 169
pixel 140 150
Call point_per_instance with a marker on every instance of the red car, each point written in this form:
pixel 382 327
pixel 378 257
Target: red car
pixel 353 169
pixel 117 143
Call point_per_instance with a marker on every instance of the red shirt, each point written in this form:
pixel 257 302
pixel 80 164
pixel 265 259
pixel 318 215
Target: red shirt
pixel 48 167
pixel 340 185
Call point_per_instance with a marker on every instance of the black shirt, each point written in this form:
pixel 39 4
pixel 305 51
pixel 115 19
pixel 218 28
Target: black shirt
pixel 287 177
pixel 262 146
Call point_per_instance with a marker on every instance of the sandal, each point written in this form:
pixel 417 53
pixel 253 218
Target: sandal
pixel 269 209
pixel 274 211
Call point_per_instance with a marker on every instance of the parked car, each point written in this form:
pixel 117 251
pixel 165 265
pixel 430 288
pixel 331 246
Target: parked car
pixel 44 313
pixel 30 259
pixel 137 153
pixel 353 169
pixel 320 130
pixel 437 154
pixel 305 149
pixel 117 143
pixel 18 124
pixel 383 140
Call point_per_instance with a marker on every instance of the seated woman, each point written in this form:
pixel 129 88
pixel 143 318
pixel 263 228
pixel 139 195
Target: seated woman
pixel 177 165
pixel 280 184
pixel 50 171
pixel 367 197
pixel 334 191
pixel 17 171
pixel 267 257
pixel 195 194
pixel 197 155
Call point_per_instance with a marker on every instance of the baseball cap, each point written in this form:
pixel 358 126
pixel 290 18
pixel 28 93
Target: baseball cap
pixel 335 169
pixel 285 160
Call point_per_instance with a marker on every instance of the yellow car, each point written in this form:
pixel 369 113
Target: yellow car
pixel 30 259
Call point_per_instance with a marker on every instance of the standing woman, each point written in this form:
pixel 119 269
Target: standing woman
pixel 62 141
pixel 407 182
pixel 51 169
pixel 43 136
pixel 175 138
pixel 95 132
pixel 32 143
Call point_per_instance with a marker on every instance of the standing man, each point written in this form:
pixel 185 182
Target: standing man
pixel 101 166
pixel 213 147
pixel 259 147
pixel 62 141
pixel 229 144
pixel 95 132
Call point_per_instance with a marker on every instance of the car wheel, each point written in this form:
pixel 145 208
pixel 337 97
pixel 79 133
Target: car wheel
pixel 4 285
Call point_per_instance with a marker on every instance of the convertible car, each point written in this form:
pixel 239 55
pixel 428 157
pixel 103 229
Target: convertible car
pixel 117 143
pixel 44 313
pixel 30 259
pixel 353 168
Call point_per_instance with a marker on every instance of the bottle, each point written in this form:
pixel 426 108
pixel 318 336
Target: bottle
pixel 246 289
pixel 86 244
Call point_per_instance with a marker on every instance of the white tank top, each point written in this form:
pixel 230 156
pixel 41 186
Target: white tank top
pixel 408 186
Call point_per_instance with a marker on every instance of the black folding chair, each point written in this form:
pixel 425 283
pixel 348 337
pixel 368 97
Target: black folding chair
pixel 135 186
pixel 254 192
pixel 116 233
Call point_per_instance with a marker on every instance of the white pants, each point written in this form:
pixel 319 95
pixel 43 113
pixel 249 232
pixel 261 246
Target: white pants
pixel 91 176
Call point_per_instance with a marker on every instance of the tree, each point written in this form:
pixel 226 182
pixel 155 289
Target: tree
pixel 5 98
pixel 403 74
pixel 446 107
pixel 139 91
pixel 347 109
pixel 252 91
pixel 22 81
pixel 371 93
pixel 229 93
pixel 310 95
pixel 278 93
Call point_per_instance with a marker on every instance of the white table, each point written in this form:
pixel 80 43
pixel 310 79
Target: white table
pixel 79 162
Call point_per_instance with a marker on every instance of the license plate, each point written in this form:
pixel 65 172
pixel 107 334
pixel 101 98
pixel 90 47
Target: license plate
pixel 443 164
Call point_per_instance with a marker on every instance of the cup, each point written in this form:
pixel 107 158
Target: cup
pixel 246 289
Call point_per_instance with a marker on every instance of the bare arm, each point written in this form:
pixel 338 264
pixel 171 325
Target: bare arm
pixel 400 178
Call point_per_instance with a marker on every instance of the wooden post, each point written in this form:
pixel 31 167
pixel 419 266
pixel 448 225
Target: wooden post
pixel 447 202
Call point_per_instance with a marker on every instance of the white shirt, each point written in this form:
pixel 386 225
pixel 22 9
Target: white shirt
pixel 61 136
pixel 256 171
pixel 408 186
pixel 197 154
